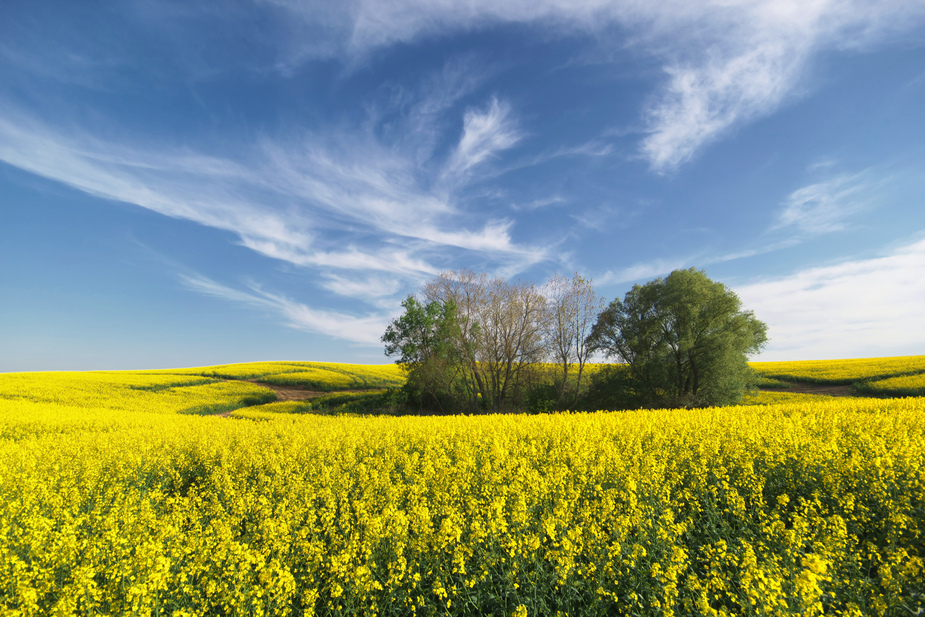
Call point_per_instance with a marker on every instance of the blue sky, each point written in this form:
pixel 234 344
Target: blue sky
pixel 185 184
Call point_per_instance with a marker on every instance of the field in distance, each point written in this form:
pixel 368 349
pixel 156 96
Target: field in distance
pixel 122 493
pixel 299 387
pixel 893 376
pixel 320 376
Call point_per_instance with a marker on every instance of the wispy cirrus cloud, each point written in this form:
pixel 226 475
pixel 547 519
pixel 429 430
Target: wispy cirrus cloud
pixel 724 63
pixel 377 290
pixel 538 204
pixel 365 330
pixel 211 191
pixel 640 271
pixel 735 62
pixel 360 181
pixel 365 198
pixel 825 206
pixel 485 132
pixel 703 101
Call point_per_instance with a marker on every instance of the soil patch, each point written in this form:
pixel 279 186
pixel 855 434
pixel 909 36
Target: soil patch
pixel 291 393
pixel 284 393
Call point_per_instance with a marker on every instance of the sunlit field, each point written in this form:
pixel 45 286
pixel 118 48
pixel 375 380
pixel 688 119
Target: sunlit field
pixel 322 376
pixel 119 496
pixel 842 371
pixel 906 385
pixel 131 391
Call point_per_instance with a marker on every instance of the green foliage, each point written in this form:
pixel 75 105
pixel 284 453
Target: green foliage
pixel 425 339
pixel 769 382
pixel 360 402
pixel 542 398
pixel 612 387
pixel 387 401
pixel 382 401
pixel 685 340
pixel 479 344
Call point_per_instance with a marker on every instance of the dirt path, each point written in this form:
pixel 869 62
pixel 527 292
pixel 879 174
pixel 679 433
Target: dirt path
pixel 283 393
pixel 814 388
pixel 289 393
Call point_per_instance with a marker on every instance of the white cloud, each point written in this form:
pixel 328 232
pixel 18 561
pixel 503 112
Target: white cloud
pixel 369 289
pixel 599 219
pixel 537 204
pixel 824 206
pixel 362 330
pixel 727 61
pixel 367 184
pixel 384 22
pixel 484 134
pixel 297 199
pixel 860 308
pixel 703 101
pixel 211 191
pixel 640 271
pixel 742 60
pixel 644 271
pixel 427 119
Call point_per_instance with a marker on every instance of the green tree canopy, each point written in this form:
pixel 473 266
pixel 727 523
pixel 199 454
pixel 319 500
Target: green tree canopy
pixel 473 344
pixel 424 338
pixel 685 340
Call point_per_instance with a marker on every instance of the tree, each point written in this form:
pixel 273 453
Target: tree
pixel 424 338
pixel 685 340
pixel 499 338
pixel 572 309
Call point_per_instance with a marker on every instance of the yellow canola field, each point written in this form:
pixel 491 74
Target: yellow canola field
pixel 806 508
pixel 326 376
pixel 841 371
pixel 775 397
pixel 907 385
pixel 342 377
pixel 131 391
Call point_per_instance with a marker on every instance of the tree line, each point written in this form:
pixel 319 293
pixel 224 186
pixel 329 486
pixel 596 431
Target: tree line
pixel 472 343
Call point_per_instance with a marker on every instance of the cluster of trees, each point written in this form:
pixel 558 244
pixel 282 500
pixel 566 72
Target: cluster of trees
pixel 473 343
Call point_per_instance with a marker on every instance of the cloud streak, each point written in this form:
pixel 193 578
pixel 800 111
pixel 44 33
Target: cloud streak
pixel 640 271
pixel 484 134
pixel 739 61
pixel 823 207
pixel 725 63
pixel 702 102
pixel 210 191
pixel 361 330
pixel 859 308
pixel 296 199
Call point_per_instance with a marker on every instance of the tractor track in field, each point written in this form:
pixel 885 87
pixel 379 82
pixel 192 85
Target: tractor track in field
pixel 291 393
pixel 283 393
pixel 815 388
